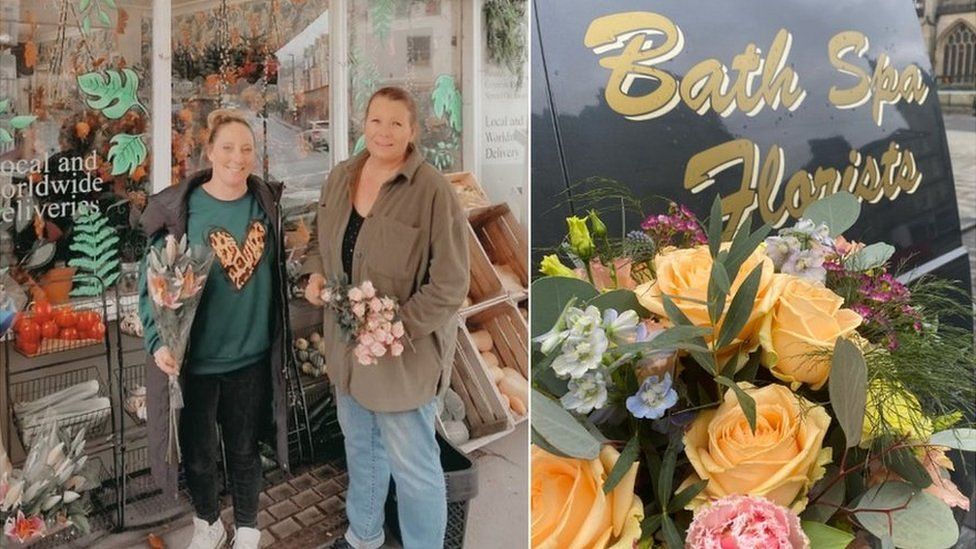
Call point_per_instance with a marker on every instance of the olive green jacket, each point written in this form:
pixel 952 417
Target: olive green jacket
pixel 413 246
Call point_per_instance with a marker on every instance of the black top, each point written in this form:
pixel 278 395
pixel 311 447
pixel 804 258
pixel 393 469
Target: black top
pixel 349 241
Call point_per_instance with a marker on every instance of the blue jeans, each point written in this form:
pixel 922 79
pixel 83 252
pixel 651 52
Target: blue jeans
pixel 379 444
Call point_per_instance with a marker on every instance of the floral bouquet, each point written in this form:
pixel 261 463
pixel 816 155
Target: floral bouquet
pixel 368 320
pixel 782 390
pixel 47 493
pixel 176 275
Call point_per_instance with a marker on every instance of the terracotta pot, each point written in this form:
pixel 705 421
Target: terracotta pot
pixel 57 284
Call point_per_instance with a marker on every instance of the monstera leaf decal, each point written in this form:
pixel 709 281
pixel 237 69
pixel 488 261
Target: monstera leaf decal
pixel 114 95
pixel 127 152
pixel 97 244
pixel 447 101
pixel 17 122
pixel 95 8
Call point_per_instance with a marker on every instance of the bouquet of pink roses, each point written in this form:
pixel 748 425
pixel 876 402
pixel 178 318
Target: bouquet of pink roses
pixel 367 319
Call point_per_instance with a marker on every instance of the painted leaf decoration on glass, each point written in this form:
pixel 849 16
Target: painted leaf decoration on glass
pixel 21 122
pixel 4 105
pixel 113 95
pixel 126 154
pixel 5 136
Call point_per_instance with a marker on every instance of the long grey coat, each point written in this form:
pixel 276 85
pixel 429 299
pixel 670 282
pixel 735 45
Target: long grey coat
pixel 165 214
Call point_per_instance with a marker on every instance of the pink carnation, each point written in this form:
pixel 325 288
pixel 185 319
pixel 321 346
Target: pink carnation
pixel 355 294
pixel 745 522
pixel 375 304
pixel 377 349
pixel 359 309
pixel 363 356
pixel 398 329
pixel 368 290
pixel 396 349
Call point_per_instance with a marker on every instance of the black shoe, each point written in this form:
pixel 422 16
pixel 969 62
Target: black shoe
pixel 340 543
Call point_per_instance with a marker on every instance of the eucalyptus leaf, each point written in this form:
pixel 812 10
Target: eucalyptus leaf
pixel 627 458
pixel 620 301
pixel 650 525
pixel 550 294
pixel 848 389
pixel 960 439
pixel 675 337
pixel 904 462
pixel 703 357
pixel 561 429
pixel 838 211
pixel 741 308
pixel 872 256
pixel 912 518
pixel 827 504
pixel 825 537
pixel 541 442
pixel 746 402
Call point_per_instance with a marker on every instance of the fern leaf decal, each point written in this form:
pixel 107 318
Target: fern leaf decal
pixel 97 244
pixel 447 101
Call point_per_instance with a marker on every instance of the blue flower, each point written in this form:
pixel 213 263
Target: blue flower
pixel 587 393
pixel 653 398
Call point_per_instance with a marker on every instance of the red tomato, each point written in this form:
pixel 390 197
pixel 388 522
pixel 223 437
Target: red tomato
pixel 20 319
pixel 30 332
pixel 97 331
pixel 42 311
pixel 85 320
pixel 66 318
pixel 69 333
pixel 28 348
pixel 49 329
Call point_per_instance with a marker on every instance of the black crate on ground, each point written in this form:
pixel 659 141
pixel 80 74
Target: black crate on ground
pixel 461 477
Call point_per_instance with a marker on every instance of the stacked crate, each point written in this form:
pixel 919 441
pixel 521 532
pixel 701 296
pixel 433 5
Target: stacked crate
pixel 492 341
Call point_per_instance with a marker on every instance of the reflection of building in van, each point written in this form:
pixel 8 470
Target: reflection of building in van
pixel 949 32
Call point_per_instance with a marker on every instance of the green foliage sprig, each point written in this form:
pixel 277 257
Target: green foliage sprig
pixel 505 31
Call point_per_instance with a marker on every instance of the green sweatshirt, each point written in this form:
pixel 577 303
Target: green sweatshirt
pixel 232 327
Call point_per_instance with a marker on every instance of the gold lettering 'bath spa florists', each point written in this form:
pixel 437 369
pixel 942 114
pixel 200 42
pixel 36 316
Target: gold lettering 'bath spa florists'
pixel 774 389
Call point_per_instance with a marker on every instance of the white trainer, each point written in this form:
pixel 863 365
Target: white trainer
pixel 207 536
pixel 247 538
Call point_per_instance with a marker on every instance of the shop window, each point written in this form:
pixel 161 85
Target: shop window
pixel 270 59
pixel 75 84
pixel 418 51
pixel 413 45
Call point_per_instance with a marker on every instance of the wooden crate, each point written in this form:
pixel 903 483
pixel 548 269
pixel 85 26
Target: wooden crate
pixel 468 190
pixel 505 242
pixel 484 282
pixel 510 337
pixel 485 415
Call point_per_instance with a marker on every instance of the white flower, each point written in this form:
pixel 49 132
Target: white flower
pixel 587 393
pixel 621 328
pixel 580 355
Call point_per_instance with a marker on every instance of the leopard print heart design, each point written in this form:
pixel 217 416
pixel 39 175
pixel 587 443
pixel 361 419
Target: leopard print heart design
pixel 239 263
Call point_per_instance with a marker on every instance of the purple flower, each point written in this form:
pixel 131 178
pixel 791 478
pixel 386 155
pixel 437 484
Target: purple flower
pixel 653 398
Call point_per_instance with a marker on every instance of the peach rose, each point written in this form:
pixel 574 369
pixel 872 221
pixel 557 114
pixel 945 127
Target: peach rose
pixel 780 461
pixel 683 275
pixel 802 328
pixel 570 510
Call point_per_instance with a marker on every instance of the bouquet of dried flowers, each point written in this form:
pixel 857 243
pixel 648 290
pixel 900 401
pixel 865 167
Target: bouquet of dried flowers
pixel 47 492
pixel 176 275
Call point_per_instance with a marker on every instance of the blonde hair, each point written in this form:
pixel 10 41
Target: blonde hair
pixel 221 117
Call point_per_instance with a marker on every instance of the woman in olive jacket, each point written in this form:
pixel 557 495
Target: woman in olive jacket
pixel 389 217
